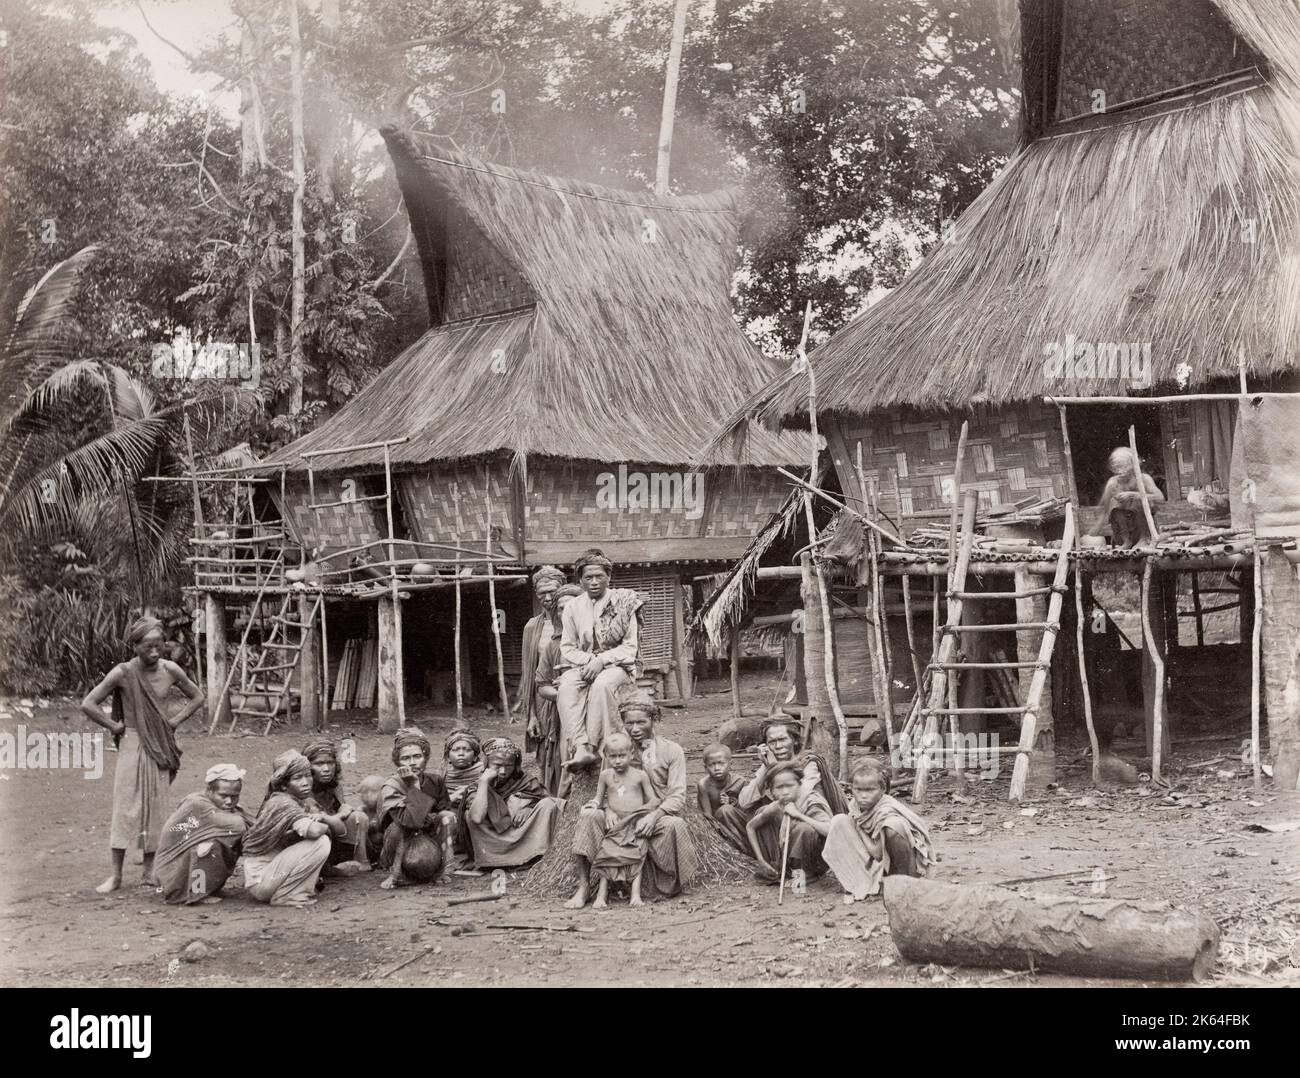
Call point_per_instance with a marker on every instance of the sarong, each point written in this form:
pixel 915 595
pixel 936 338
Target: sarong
pixel 589 710
pixel 846 853
pixel 671 863
pixel 516 845
pixel 289 877
pixel 139 786
pixel 622 852
pixel 199 848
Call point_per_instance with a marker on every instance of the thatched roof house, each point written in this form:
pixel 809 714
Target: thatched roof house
pixel 1158 240
pixel 581 352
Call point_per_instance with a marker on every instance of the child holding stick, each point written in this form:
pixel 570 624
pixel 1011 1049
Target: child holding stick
pixel 809 818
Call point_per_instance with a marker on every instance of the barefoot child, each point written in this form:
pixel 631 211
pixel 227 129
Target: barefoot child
pixel 879 837
pixel 806 814
pixel 719 797
pixel 1121 502
pixel 463 765
pixel 625 793
pixel 370 793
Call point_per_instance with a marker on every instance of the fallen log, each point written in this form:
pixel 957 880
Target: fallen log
pixel 980 925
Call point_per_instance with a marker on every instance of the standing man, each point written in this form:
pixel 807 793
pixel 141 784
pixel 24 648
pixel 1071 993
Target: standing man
pixel 598 658
pixel 148 756
pixel 538 712
pixel 672 863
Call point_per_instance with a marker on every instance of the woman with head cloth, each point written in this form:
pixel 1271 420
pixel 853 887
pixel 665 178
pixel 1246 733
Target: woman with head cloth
pixel 202 839
pixel 598 658
pixel 289 842
pixel 148 756
pixel 416 814
pixel 348 853
pixel 512 817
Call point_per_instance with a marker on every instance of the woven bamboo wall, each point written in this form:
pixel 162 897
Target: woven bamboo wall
pixel 1011 454
pixel 479 279
pixel 1135 48
pixel 338 527
pixel 656 587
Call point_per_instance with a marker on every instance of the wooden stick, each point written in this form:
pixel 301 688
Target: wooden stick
pixel 735 671
pixel 397 599
pixel 1256 640
pixel 875 646
pixel 956 499
pixel 811 488
pixel 1083 673
pixel 1179 399
pixel 785 856
pixel 1158 662
pixel 1141 483
pixel 492 600
pixel 474 898
pixel 355 448
pixel 1071 483
pixel 911 632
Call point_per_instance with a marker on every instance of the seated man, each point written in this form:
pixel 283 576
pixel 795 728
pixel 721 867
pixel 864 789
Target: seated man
pixel 1121 501
pixel 201 841
pixel 672 863
pixel 419 824
pixel 348 854
pixel 510 817
pixel 598 654
pixel 780 747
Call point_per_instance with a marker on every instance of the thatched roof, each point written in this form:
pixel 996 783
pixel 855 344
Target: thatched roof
pixel 1130 230
pixel 630 352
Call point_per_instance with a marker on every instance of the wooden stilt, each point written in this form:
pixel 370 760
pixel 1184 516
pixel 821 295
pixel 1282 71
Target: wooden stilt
pixel 1153 672
pixel 492 602
pixel 875 644
pixel 218 661
pixel 1082 659
pixel 399 665
pixel 311 708
pixel 1256 659
pixel 390 718
pixel 911 632
pixel 1196 608
pixel 735 671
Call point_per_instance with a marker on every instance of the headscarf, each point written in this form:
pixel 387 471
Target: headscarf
pixel 142 627
pixel 592 557
pixel 224 773
pixel 549 574
pixel 410 735
pixel 639 700
pixel 280 809
pixel 568 591
pixel 463 735
pixel 516 784
pixel 288 765
pixel 323 746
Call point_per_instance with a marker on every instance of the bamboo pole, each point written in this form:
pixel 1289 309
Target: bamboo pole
pixel 1177 399
pixel 1071 483
pixel 1256 641
pixel 1083 674
pixel 460 695
pixel 1141 484
pixel 735 671
pixel 810 487
pixel 911 632
pixel 492 601
pixel 954 720
pixel 1158 665
pixel 875 659
pixel 1196 608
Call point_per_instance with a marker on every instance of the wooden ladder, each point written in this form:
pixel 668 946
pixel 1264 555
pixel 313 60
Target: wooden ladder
pixel 937 697
pixel 270 674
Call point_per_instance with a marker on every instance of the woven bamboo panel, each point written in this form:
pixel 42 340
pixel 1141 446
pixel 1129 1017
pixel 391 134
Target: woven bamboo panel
pixel 1131 49
pixel 1011 454
pixel 450 502
pixel 658 615
pixel 479 279
pixel 339 526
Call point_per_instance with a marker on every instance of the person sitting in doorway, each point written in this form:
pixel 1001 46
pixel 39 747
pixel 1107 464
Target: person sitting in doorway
pixel 1121 501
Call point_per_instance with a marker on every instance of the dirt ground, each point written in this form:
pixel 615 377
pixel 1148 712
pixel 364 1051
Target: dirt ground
pixel 1190 845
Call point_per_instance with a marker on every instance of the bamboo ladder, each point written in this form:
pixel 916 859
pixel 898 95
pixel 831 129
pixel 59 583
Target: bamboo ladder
pixel 947 665
pixel 271 676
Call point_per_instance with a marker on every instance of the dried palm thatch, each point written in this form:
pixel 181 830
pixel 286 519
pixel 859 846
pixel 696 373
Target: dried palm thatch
pixel 554 876
pixel 629 351
pixel 1181 229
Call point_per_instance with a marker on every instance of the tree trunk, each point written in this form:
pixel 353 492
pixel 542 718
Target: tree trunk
pixel 252 136
pixel 298 297
pixel 670 99
pixel 979 925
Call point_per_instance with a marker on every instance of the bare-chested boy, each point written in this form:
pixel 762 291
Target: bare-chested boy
pixel 719 797
pixel 625 793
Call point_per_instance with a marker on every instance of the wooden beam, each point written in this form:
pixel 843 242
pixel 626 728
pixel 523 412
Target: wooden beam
pixel 218 664
pixel 310 707
pixel 1153 667
pixel 390 643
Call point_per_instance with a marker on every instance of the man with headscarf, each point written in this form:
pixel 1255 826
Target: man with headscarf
pixel 289 842
pixel 536 699
pixel 780 746
pixel 416 813
pixel 511 819
pixel 672 862
pixel 201 840
pixel 347 854
pixel 148 756
pixel 598 658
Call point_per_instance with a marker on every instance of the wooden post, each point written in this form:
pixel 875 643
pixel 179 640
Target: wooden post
pixel 390 642
pixel 917 673
pixel 1196 608
pixel 1278 608
pixel 1083 670
pixel 814 643
pixel 1029 645
pixel 1071 483
pixel 683 657
pixel 492 600
pixel 735 671
pixel 1141 484
pixel 399 665
pixel 460 692
pixel 1153 666
pixel 218 664
pixel 311 711
pixel 1256 640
